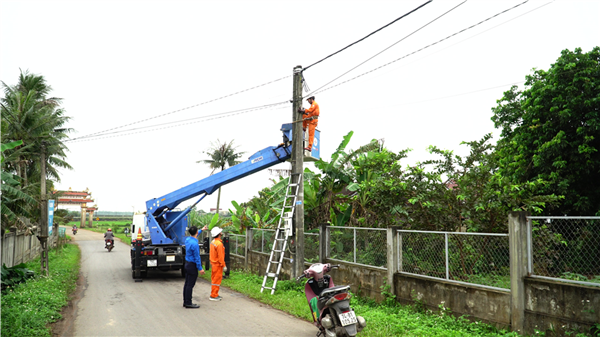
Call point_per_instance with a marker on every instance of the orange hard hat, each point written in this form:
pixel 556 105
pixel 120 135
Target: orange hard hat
pixel 110 229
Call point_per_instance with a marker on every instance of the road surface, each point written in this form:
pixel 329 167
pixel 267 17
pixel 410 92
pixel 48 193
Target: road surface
pixel 110 303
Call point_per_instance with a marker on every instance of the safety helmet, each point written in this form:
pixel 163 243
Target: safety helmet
pixel 215 231
pixel 110 230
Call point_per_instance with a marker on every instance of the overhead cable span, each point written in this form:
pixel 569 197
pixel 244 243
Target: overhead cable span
pixel 182 109
pixel 395 43
pixel 174 123
pixel 350 45
pixel 416 51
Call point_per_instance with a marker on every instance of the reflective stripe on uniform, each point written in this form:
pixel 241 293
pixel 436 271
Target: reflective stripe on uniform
pixel 216 285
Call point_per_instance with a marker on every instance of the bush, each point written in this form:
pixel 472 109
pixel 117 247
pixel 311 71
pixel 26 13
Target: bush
pixel 15 275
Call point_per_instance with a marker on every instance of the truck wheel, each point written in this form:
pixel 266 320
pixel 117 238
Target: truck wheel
pixel 133 274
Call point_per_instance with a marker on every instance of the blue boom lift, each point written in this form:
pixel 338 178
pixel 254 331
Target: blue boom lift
pixel 163 227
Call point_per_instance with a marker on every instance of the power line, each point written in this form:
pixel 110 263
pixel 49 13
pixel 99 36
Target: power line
pixel 372 57
pixel 186 108
pixel 350 45
pixel 407 55
pixel 181 123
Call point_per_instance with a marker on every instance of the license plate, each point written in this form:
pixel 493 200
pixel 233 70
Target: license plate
pixel 151 263
pixel 170 258
pixel 348 318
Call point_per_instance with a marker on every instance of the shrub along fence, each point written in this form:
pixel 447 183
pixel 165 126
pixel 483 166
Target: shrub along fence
pixel 493 277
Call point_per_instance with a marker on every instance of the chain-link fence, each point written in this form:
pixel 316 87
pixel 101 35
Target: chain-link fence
pixel 311 247
pixel 262 241
pixel 565 248
pixel 367 246
pixel 477 258
pixel 237 244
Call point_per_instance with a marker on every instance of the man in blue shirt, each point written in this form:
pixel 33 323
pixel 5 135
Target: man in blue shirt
pixel 193 265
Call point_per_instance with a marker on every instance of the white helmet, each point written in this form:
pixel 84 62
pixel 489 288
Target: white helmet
pixel 215 231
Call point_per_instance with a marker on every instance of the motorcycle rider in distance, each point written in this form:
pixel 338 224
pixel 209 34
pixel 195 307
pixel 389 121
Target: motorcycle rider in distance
pixel 74 229
pixel 110 236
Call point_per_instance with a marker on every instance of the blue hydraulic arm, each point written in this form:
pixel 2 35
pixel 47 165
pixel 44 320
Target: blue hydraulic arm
pixel 166 226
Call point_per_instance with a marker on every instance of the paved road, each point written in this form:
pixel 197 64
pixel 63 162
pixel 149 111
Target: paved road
pixel 112 304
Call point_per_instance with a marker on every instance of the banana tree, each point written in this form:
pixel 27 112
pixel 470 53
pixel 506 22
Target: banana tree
pixel 15 202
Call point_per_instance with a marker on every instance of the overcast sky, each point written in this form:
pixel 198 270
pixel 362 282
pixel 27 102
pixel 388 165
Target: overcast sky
pixel 118 63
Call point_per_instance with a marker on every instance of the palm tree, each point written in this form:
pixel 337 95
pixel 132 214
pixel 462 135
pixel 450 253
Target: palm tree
pixel 29 115
pixel 221 155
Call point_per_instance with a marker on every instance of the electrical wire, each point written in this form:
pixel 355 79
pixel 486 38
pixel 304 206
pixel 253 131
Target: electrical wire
pixel 350 45
pixel 186 108
pixel 181 123
pixel 414 52
pixel 395 43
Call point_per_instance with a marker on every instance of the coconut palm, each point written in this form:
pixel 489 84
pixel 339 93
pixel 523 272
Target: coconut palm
pixel 221 155
pixel 28 114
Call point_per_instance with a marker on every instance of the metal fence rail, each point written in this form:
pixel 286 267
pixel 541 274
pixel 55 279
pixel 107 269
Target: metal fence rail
pixel 365 246
pixel 237 244
pixel 471 258
pixel 564 248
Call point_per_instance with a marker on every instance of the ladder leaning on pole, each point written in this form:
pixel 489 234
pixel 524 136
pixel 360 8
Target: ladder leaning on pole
pixel 283 232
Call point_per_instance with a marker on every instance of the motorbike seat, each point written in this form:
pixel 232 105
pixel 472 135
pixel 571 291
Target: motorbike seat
pixel 332 290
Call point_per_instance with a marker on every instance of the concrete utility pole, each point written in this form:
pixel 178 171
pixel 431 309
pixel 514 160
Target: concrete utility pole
pixel 298 167
pixel 44 215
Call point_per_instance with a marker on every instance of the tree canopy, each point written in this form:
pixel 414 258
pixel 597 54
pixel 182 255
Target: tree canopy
pixel 30 116
pixel 551 132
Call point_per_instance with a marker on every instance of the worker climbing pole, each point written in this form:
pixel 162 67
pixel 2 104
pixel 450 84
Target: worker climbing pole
pixel 297 170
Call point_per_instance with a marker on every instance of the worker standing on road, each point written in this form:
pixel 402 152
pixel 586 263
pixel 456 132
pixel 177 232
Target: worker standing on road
pixel 193 265
pixel 310 120
pixel 217 261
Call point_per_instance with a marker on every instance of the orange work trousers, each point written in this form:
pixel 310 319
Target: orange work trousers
pixel 215 279
pixel 311 124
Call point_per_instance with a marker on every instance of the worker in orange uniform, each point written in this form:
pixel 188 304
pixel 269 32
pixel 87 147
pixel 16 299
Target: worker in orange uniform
pixel 217 261
pixel 310 120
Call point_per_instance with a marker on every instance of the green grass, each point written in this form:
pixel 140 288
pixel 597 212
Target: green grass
pixel 383 319
pixel 102 226
pixel 29 307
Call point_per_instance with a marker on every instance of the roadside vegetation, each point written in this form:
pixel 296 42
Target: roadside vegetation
pixel 383 319
pixel 118 228
pixel 29 307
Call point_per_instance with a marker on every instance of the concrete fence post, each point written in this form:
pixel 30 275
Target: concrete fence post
pixel 249 236
pixel 392 256
pixel 517 238
pixel 323 242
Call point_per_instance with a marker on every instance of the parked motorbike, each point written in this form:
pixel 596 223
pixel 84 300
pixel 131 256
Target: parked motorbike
pixel 109 245
pixel 330 304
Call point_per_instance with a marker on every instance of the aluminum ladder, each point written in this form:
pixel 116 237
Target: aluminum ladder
pixel 282 233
